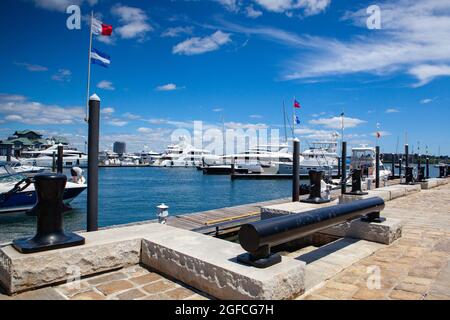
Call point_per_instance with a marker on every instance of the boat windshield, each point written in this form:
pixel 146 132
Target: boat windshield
pixel 8 175
pixel 363 154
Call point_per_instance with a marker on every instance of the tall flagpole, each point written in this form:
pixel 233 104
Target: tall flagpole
pixel 89 68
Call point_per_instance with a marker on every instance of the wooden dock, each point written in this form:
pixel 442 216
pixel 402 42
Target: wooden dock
pixel 219 221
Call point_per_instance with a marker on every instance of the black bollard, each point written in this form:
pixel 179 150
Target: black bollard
pixel 400 163
pixel 344 167
pixel 8 153
pixel 448 170
pixel 93 146
pixel 356 183
pixel 60 159
pixel 441 171
pixel 394 156
pixel 427 164
pixel 296 171
pixel 421 174
pixel 409 177
pixel 49 210
pixel 377 167
pixel 315 180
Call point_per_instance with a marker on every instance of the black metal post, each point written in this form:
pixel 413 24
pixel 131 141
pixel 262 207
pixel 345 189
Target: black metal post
pixel 8 153
pixel 339 167
pixel 54 162
pixel 344 167
pixel 406 155
pixel 377 166
pixel 60 159
pixel 394 160
pixel 420 177
pixel 296 171
pixel 400 163
pixel 93 148
pixel 428 168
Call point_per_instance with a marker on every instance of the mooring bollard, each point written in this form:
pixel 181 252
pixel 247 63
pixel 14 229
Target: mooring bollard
pixel 421 174
pixel 93 147
pixel 441 172
pixel 296 171
pixel 448 170
pixel 315 190
pixel 257 238
pixel 356 184
pixel 400 164
pixel 60 159
pixel 427 164
pixel 162 213
pixel 49 211
pixel 344 167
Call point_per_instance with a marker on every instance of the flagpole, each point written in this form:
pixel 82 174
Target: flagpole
pixel 89 68
pixel 293 118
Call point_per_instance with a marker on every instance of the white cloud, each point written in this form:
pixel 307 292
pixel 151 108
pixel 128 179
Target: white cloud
pixel 176 32
pixel 230 5
pixel 31 67
pixel 197 45
pixel 63 75
pixel 131 116
pixel 144 130
pixel 336 122
pixel 108 110
pixel 167 87
pixel 60 5
pixel 19 109
pixel 11 97
pixel 217 110
pixel 251 12
pixel 134 22
pixel 256 116
pixel 310 7
pixel 414 39
pixel 314 134
pixel 427 73
pixel 426 101
pixel 239 125
pixel 105 85
pixel 117 122
pixel 392 110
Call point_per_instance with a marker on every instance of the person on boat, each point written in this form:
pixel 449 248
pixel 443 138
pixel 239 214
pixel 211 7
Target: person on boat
pixel 77 175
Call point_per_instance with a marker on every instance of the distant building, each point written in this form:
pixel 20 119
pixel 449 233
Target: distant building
pixel 28 140
pixel 120 147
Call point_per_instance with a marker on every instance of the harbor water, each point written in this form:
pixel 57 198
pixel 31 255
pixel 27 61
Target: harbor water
pixel 128 195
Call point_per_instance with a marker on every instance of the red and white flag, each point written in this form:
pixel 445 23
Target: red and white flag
pixel 99 28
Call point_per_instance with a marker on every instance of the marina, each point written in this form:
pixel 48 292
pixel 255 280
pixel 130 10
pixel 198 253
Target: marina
pixel 237 153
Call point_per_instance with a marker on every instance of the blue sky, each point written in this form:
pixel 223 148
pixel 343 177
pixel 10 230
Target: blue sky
pixel 177 61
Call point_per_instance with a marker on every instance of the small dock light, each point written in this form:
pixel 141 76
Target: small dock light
pixel 162 213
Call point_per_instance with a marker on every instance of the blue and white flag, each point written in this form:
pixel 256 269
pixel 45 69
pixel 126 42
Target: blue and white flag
pixel 100 58
pixel 296 119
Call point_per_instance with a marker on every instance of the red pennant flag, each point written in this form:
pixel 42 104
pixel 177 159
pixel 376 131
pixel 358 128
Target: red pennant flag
pixel 296 104
pixel 100 28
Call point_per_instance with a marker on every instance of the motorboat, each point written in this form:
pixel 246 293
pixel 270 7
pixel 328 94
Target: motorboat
pixel 364 158
pixel 262 159
pixel 320 156
pixel 44 158
pixel 18 167
pixel 183 154
pixel 17 193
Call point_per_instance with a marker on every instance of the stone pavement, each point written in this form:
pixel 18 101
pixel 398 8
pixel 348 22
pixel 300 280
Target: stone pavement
pixel 415 267
pixel 133 283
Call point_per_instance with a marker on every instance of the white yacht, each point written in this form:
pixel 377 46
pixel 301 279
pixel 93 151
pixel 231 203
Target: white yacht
pixel 183 154
pixel 364 158
pixel 44 158
pixel 321 156
pixel 263 159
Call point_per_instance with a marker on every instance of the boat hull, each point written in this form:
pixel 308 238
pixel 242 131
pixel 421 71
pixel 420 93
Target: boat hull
pixel 25 200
